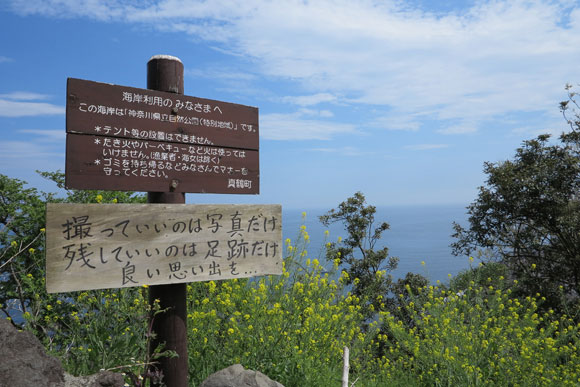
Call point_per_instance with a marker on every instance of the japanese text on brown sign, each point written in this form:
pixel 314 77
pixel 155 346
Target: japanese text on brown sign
pixel 110 124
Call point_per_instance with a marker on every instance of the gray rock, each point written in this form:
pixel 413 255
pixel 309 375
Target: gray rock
pixel 102 379
pixel 237 376
pixel 24 362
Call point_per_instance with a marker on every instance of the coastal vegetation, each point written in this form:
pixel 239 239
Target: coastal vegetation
pixel 511 319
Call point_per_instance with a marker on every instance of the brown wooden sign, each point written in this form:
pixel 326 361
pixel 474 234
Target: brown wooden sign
pixel 124 138
pixel 96 246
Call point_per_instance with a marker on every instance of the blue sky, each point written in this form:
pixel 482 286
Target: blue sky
pixel 403 101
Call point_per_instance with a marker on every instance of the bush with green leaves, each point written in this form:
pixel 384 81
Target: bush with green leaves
pixel 527 215
pixel 293 327
pixel 88 331
pixel 367 266
pixel 479 335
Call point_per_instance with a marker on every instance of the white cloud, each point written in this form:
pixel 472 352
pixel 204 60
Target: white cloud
pixel 279 126
pixel 22 109
pixel 19 104
pixel 309 100
pixel 422 147
pixel 399 122
pixel 458 129
pixel 4 59
pixel 317 113
pixel 24 96
pixel 69 8
pixel 48 135
pixel 486 61
pixel 17 157
pixel 23 150
pixel 529 132
pixel 343 151
pixel 221 73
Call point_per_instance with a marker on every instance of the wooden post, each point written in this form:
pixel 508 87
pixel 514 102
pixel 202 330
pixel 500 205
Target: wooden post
pixel 345 367
pixel 165 73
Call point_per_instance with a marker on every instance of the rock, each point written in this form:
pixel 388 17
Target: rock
pixel 24 362
pixel 237 376
pixel 102 379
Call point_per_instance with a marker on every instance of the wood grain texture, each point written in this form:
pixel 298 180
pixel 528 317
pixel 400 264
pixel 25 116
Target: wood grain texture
pixel 96 246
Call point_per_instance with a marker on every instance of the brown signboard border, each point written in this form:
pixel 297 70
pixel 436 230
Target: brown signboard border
pixel 125 138
pixel 93 104
pixel 96 162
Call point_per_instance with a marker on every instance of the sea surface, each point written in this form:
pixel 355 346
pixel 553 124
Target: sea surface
pixel 417 234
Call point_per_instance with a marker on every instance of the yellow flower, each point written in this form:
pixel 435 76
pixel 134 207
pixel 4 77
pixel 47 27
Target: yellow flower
pixel 115 200
pixel 212 286
pixel 303 215
pixel 31 250
pixel 43 230
pixel 533 266
pixel 99 198
pixel 326 232
pixel 422 263
pixel 13 243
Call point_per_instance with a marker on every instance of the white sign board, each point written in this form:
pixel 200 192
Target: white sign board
pixel 97 246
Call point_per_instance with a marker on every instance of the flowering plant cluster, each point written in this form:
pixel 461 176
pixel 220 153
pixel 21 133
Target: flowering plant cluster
pixel 478 330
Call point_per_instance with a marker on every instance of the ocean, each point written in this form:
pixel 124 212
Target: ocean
pixel 417 233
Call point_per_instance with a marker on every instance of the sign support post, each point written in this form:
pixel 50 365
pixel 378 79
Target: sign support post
pixel 165 73
pixel 160 141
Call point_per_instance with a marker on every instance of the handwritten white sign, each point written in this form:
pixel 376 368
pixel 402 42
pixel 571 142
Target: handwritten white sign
pixel 96 246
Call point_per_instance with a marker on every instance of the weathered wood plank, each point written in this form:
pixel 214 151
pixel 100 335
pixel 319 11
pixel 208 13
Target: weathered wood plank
pixel 128 112
pixel 124 138
pixel 96 162
pixel 96 246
